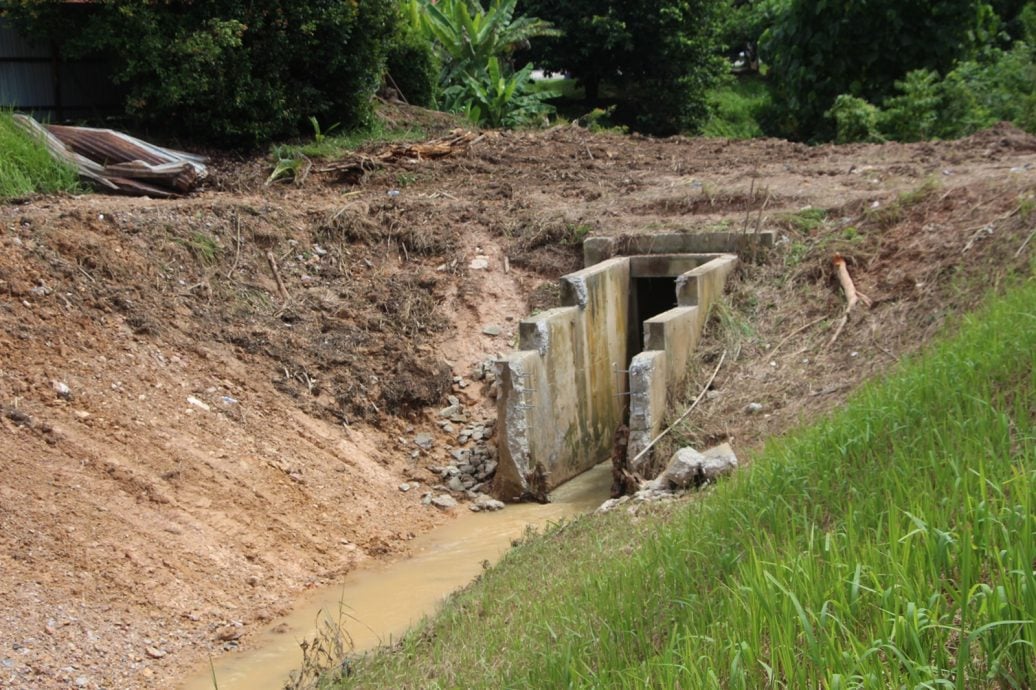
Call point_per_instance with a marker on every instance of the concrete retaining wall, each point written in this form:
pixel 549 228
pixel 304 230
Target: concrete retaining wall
pixel 676 333
pixel 562 394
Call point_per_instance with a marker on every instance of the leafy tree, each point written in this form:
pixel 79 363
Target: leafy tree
pixel 230 71
pixel 819 49
pixel 663 55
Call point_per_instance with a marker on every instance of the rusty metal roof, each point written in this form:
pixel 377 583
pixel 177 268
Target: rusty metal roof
pixel 117 162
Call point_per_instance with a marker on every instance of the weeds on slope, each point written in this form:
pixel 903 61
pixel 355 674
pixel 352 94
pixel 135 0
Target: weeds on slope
pixel 26 167
pixel 890 545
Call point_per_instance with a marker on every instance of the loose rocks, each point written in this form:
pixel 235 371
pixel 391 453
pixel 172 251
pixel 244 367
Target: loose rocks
pixel 444 502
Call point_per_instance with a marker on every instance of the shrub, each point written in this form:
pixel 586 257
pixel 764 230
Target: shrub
pixel 412 66
pixel 818 50
pixel 855 119
pixel 232 71
pixel 474 45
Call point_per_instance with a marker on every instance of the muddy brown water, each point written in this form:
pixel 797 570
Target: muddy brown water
pixel 379 603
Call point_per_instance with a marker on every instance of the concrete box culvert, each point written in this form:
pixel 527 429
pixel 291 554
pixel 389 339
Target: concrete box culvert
pixel 581 370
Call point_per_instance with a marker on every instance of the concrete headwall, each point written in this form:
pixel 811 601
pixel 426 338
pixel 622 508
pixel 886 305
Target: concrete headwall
pixel 562 394
pixel 596 249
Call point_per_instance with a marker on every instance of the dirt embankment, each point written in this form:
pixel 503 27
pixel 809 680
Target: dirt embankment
pixel 186 445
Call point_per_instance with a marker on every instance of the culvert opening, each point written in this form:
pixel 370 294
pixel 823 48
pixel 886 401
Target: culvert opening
pixel 651 296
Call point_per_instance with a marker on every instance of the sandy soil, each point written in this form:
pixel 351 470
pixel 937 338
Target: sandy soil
pixel 184 450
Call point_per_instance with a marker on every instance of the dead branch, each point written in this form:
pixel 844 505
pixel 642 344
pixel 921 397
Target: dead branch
pixel 1022 248
pixel 277 275
pixel 851 295
pixel 794 333
pixel 457 140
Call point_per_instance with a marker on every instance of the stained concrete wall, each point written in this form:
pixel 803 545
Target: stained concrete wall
pixel 562 394
pixel 648 396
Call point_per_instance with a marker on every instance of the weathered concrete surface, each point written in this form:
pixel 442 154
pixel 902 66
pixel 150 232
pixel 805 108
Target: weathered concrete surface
pixel 596 249
pixel 676 332
pixel 703 284
pixel 561 396
pixel 666 265
pixel 648 376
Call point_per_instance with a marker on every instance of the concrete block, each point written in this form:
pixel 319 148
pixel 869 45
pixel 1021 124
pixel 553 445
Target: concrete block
pixel 666 265
pixel 516 374
pixel 691 242
pixel 676 331
pixel 648 378
pixel 703 284
pixel 597 249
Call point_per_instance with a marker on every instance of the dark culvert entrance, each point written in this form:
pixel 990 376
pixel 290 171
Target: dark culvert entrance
pixel 651 296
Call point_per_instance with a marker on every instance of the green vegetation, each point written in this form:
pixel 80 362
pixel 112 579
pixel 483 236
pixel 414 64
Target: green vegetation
pixel 332 145
pixel 661 56
pixel 26 167
pixel 736 108
pixel 232 72
pixel 819 50
pixel 973 95
pixel 889 545
pixel 473 45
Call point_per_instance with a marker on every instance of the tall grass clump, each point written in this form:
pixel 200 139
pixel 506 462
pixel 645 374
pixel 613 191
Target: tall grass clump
pixel 26 167
pixel 889 545
pixel 736 107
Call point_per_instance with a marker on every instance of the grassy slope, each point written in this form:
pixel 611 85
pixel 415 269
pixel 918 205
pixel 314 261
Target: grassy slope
pixel 891 545
pixel 26 167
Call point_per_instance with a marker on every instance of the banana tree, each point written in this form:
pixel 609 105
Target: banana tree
pixel 497 99
pixel 468 34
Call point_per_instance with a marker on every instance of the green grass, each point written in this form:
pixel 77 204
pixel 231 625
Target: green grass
pixel 736 107
pixel 890 545
pixel 27 168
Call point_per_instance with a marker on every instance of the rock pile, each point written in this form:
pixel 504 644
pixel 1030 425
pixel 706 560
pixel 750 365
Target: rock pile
pixel 470 456
pixel 686 470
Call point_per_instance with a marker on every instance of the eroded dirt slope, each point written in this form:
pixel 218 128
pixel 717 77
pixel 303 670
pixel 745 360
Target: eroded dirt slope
pixel 186 445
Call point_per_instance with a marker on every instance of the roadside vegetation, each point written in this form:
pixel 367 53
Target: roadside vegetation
pixel 26 167
pixel 889 545
pixel 241 75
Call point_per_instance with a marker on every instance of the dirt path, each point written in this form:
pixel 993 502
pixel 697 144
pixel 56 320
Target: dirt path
pixel 184 451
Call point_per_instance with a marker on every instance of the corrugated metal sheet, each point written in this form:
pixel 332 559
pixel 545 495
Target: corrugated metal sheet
pixel 28 81
pixel 12 45
pixel 117 162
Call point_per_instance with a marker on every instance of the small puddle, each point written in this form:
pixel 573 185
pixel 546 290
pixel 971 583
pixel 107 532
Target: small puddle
pixel 381 602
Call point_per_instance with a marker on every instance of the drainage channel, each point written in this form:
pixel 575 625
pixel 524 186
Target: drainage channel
pixel 381 602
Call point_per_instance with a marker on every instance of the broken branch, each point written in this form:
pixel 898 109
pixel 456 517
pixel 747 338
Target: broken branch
pixel 851 295
pixel 277 275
